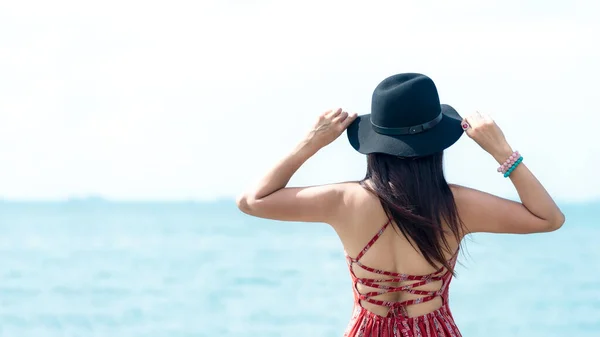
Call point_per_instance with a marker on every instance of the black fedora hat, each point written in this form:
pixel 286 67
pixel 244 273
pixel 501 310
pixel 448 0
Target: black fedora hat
pixel 406 119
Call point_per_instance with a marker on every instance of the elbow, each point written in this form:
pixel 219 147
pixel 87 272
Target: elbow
pixel 557 222
pixel 244 203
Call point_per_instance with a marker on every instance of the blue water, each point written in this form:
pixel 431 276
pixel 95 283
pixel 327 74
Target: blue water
pixel 111 270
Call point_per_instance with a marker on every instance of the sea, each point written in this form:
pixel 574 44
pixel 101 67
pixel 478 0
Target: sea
pixel 182 269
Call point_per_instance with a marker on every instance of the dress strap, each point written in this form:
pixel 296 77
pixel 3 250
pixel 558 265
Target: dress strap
pixel 373 240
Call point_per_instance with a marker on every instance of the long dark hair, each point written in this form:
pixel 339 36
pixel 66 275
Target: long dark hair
pixel 415 195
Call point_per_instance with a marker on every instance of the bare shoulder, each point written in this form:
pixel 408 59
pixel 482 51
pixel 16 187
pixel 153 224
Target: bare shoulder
pixel 355 194
pixel 358 206
pixel 484 212
pixel 352 194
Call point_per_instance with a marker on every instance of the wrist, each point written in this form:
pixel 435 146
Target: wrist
pixel 307 147
pixel 502 153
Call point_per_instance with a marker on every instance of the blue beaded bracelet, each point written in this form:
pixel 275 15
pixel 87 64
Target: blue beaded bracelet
pixel 513 167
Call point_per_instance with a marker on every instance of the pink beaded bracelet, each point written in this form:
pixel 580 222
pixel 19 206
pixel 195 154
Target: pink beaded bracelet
pixel 509 162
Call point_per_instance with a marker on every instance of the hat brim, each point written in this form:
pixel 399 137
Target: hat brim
pixel 365 140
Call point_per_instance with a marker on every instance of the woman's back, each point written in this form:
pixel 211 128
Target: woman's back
pixel 395 287
pixel 390 252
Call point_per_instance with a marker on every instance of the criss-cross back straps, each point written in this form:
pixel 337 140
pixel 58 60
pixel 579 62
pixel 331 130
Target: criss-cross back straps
pixel 395 308
pixel 372 241
pixel 399 308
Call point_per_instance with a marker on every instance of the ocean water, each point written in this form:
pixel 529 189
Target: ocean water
pixel 184 269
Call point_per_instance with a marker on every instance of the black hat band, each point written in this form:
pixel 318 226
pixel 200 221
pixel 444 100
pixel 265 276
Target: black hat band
pixel 407 130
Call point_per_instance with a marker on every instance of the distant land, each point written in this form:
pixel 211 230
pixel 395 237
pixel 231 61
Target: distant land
pixel 103 200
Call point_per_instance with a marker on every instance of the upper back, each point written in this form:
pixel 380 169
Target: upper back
pixel 364 216
pixel 391 252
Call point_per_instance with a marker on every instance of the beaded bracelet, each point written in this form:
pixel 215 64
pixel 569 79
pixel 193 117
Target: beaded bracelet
pixel 509 162
pixel 513 167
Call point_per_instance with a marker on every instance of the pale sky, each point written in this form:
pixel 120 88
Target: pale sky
pixel 195 99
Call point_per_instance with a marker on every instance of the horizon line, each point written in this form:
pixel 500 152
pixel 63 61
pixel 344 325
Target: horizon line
pixel 228 199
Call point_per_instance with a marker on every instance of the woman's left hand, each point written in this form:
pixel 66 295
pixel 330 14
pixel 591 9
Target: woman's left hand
pixel 329 127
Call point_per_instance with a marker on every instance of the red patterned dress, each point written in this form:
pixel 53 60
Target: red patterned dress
pixel 364 323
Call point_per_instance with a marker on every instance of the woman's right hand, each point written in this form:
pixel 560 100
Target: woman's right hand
pixel 485 132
